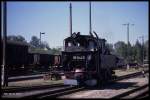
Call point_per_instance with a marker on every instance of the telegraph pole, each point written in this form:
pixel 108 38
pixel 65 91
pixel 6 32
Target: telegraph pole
pixel 128 26
pixel 4 76
pixel 40 37
pixel 90 31
pixel 70 19
pixel 143 49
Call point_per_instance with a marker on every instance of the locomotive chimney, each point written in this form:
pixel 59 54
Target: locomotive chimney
pixel 70 19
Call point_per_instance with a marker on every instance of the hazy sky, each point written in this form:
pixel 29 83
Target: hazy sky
pixel 31 18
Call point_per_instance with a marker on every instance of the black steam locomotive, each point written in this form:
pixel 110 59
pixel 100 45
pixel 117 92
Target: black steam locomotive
pixel 86 60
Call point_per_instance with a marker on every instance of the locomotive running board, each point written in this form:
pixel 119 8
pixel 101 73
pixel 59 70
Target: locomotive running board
pixel 70 82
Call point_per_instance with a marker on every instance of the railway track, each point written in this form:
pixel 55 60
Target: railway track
pixel 50 91
pixel 29 88
pixel 28 77
pixel 116 90
pixel 136 93
pixel 130 75
pixel 42 93
pixel 62 92
pixel 40 76
pixel 54 90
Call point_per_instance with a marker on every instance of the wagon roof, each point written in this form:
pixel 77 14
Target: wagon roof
pixel 40 51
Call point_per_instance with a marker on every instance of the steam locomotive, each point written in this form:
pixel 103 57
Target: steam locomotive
pixel 86 60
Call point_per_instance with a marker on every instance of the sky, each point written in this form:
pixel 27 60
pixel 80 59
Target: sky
pixel 31 18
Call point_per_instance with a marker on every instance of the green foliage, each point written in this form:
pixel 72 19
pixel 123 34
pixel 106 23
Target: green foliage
pixel 16 38
pixel 56 51
pixel 110 47
pixel 36 43
pixel 128 52
pixel 138 56
pixel 146 49
pixel 132 53
pixel 121 49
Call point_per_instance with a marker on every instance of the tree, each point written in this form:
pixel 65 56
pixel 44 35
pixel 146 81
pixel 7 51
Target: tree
pixel 35 41
pixel 130 52
pixel 138 49
pixel 45 45
pixel 110 47
pixel 56 50
pixel 146 49
pixel 16 38
pixel 121 49
pixel 133 53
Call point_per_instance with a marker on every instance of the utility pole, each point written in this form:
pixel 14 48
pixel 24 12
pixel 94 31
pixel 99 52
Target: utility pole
pixel 90 31
pixel 142 49
pixel 128 26
pixel 70 19
pixel 4 76
pixel 40 37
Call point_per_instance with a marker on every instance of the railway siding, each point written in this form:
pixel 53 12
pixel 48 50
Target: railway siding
pixel 108 91
pixel 34 93
pixel 111 90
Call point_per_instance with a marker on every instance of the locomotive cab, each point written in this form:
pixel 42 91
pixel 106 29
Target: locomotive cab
pixel 79 42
